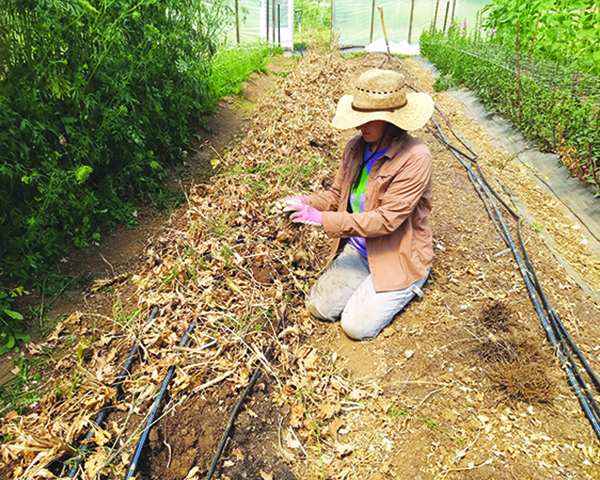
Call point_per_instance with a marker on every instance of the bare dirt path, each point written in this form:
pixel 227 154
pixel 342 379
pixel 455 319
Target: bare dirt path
pixel 462 385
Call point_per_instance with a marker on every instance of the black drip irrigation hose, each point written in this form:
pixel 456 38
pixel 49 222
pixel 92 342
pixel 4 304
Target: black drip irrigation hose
pixel 125 372
pixel 230 424
pixel 551 322
pixel 566 342
pixel 237 408
pixel 150 422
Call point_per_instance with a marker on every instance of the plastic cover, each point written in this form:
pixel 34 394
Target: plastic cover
pixel 253 22
pixel 352 19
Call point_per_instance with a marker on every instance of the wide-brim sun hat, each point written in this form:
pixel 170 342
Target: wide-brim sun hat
pixel 382 95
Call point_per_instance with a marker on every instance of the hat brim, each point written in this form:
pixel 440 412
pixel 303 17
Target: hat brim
pixel 412 116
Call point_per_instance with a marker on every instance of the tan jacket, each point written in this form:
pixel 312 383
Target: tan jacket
pixel 394 223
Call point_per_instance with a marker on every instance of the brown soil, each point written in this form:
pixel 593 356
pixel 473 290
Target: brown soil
pixel 462 385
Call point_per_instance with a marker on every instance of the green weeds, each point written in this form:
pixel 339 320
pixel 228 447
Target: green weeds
pixel 11 322
pixel 126 319
pixel 538 227
pixel 396 412
pixel 233 65
pixel 25 387
pixel 444 82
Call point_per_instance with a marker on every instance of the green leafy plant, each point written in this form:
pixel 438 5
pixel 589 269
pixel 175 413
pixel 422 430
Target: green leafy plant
pixel 562 32
pixel 443 82
pixel 23 389
pixel 98 101
pixel 538 227
pixel 555 107
pixel 11 323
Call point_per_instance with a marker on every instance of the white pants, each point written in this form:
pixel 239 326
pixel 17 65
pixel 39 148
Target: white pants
pixel 346 290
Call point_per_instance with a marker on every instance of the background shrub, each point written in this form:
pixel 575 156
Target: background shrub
pixel 98 99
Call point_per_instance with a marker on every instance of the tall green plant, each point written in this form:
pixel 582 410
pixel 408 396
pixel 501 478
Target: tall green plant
pixel 96 101
pixel 566 32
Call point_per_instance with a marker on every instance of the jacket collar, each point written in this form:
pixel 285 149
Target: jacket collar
pixel 392 151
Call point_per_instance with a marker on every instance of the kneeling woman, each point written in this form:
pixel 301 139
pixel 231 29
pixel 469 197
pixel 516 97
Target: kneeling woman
pixel 378 204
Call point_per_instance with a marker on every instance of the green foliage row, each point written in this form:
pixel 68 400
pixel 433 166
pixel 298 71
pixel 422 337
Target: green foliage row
pixel 558 118
pixel 565 32
pixel 233 65
pixel 98 99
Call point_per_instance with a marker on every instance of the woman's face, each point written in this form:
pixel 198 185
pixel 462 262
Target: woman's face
pixel 373 131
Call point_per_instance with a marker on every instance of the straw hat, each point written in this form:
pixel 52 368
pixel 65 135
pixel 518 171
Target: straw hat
pixel 381 95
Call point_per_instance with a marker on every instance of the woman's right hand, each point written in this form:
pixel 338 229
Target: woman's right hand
pixel 293 204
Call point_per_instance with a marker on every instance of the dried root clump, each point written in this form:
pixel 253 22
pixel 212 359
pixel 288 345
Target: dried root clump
pixel 521 370
pixel 496 316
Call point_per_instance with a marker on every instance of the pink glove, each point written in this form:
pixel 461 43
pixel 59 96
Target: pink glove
pixel 308 215
pixel 293 204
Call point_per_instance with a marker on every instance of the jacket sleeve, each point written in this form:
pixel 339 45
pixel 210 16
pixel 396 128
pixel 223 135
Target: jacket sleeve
pixel 398 195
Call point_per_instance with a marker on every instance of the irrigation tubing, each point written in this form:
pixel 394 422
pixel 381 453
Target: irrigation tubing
pixel 150 422
pixel 230 424
pixel 557 325
pixel 236 410
pixel 560 328
pixel 125 371
pixel 553 326
pixel 565 339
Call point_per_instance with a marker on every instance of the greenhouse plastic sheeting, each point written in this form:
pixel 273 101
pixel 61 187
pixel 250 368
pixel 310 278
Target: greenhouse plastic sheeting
pixel 253 22
pixel 352 19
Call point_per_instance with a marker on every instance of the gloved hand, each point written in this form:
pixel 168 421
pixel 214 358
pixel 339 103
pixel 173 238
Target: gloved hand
pixel 293 204
pixel 308 215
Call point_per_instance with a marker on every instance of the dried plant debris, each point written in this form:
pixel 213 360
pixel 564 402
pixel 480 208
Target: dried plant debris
pixel 515 364
pixel 496 316
pixel 522 371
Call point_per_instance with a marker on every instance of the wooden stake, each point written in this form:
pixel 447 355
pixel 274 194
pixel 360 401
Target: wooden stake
pixel 384 32
pixel 237 22
pixel 267 21
pixel 446 16
pixel 372 21
pixel 331 32
pixel 534 34
pixel 412 10
pixel 453 10
pixel 437 5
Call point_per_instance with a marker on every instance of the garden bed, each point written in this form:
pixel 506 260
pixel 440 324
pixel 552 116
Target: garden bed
pixel 462 385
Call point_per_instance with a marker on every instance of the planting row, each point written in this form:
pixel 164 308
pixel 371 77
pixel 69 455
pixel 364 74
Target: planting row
pixel 558 111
